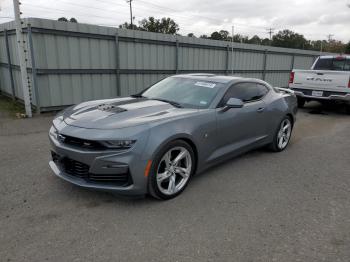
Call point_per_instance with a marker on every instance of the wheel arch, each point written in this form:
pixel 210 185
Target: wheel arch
pixel 184 137
pixel 291 118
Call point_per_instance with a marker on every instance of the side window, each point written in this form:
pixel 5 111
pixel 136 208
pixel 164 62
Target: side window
pixel 245 91
pixel 262 90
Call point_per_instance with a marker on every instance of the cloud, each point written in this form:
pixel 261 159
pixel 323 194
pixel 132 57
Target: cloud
pixel 313 18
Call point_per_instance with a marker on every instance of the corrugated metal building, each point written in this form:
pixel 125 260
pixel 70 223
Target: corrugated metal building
pixel 70 63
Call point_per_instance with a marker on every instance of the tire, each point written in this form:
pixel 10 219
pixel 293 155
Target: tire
pixel 283 134
pixel 301 102
pixel 347 109
pixel 167 178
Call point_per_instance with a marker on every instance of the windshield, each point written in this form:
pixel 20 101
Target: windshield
pixel 184 91
pixel 337 64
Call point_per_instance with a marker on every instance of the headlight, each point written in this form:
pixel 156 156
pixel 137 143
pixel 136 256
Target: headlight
pixel 119 144
pixel 53 132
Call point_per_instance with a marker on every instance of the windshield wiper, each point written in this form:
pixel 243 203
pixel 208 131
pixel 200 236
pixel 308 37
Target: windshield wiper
pixel 168 101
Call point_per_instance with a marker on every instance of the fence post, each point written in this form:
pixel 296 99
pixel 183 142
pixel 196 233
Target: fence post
pixel 264 64
pixel 34 72
pixel 9 63
pixel 177 57
pixel 227 59
pixel 117 64
pixel 292 63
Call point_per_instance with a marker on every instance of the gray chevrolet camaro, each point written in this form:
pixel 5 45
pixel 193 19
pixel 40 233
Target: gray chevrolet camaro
pixel 155 141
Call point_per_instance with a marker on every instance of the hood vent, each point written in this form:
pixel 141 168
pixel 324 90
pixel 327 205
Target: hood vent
pixel 110 108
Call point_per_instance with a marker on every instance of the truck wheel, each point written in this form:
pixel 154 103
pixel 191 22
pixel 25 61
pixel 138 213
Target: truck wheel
pixel 301 102
pixel 347 109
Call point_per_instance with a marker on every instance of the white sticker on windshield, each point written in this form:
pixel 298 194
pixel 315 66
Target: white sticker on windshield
pixel 205 84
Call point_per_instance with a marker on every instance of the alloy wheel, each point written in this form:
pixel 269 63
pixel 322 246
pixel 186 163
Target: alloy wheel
pixel 284 133
pixel 174 170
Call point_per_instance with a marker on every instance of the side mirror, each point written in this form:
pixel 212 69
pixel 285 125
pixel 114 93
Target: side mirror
pixel 234 103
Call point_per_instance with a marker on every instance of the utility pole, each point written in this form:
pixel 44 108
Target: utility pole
pixel 330 37
pixel 232 50
pixel 270 31
pixel 22 50
pixel 131 18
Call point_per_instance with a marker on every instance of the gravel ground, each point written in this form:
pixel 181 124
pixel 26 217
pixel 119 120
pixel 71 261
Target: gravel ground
pixel 262 206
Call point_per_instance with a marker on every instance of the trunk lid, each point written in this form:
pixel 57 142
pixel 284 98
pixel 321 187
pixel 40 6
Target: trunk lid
pixel 322 80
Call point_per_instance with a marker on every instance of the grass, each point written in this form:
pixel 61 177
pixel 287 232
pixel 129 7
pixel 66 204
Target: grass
pixel 10 107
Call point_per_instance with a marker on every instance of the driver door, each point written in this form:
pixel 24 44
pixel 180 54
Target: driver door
pixel 239 128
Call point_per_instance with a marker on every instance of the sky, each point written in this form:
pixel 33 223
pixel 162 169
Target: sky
pixel 315 19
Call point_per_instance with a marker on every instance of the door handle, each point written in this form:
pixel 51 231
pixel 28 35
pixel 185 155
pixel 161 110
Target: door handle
pixel 261 109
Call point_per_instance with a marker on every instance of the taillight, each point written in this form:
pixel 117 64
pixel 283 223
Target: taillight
pixel 291 78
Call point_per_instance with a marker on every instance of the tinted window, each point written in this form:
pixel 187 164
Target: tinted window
pixel 245 91
pixel 332 64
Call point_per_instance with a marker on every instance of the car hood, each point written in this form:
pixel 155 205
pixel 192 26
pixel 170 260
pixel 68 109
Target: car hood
pixel 121 112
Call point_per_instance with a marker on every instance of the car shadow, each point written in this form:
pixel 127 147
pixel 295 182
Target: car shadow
pixel 325 108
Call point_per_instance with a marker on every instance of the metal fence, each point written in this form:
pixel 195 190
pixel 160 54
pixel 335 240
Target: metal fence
pixel 69 63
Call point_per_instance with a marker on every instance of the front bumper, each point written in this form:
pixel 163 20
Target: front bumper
pixel 328 95
pixel 96 168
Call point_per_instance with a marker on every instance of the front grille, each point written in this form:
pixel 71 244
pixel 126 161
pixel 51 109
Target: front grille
pixel 81 170
pixel 78 142
pixel 308 92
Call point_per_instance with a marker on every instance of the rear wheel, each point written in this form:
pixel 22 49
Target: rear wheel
pixel 301 102
pixel 282 135
pixel 171 170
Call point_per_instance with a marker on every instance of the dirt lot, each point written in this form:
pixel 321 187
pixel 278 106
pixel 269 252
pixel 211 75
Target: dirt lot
pixel 290 206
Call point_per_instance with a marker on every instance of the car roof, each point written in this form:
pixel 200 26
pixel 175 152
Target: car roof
pixel 213 77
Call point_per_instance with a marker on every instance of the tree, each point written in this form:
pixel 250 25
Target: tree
pixel 221 35
pixel 240 38
pixel 128 26
pixel 191 35
pixel 255 40
pixel 62 19
pixel 266 41
pixel 347 48
pixel 164 25
pixel 290 39
pixel 204 36
pixel 335 46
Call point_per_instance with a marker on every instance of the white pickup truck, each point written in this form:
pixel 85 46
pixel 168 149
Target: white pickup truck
pixel 328 80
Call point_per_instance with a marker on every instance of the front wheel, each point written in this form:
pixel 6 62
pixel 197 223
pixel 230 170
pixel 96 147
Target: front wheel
pixel 282 135
pixel 171 170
